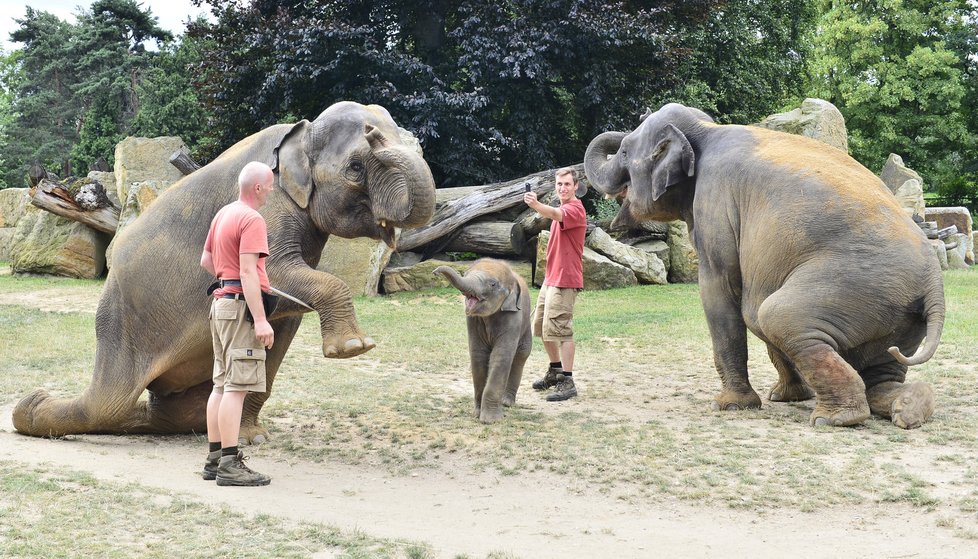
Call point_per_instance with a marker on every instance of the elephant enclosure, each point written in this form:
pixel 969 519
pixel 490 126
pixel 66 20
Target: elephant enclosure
pixel 385 444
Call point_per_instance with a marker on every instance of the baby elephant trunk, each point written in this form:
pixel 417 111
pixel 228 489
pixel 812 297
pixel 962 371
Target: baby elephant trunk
pixel 467 286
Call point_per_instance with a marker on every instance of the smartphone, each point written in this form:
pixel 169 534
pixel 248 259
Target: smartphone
pixel 526 187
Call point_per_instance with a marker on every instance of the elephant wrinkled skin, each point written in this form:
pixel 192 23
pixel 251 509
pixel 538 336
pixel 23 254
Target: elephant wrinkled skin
pixel 798 243
pixel 346 173
pixel 498 317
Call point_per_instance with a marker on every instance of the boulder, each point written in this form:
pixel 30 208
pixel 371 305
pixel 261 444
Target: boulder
pixel 146 159
pixel 647 267
pixel 895 173
pixel 658 248
pixel 359 263
pixel 910 195
pixel 422 276
pixel 940 252
pixel 48 244
pixel 957 247
pixel 684 264
pixel 960 217
pixel 816 119
pixel 6 242
pixel 13 203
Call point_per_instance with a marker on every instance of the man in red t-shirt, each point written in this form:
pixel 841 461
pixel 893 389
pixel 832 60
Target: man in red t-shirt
pixel 553 319
pixel 235 252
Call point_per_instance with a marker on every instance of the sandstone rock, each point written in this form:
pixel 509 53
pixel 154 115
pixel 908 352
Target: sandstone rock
pixel 146 159
pixel 957 248
pixel 684 264
pixel 816 119
pixel 48 244
pixel 422 276
pixel 647 267
pixel 960 217
pixel 6 242
pixel 13 203
pixel 658 248
pixel 910 195
pixel 895 173
pixel 358 262
pixel 940 252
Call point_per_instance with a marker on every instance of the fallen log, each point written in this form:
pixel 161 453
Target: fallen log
pixel 55 198
pixel 488 199
pixel 183 162
pixel 491 238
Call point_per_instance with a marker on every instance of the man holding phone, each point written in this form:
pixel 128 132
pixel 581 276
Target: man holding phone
pixel 553 318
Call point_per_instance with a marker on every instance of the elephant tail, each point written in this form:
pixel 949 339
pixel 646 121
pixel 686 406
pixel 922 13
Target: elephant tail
pixel 934 315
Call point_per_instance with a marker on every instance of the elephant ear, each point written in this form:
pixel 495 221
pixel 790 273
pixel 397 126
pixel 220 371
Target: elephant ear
pixel 674 160
pixel 292 166
pixel 512 301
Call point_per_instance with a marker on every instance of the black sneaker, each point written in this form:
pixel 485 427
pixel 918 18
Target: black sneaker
pixel 565 389
pixel 210 467
pixel 233 471
pixel 548 380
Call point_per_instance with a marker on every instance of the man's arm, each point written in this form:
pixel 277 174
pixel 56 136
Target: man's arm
pixel 251 286
pixel 207 262
pixel 550 212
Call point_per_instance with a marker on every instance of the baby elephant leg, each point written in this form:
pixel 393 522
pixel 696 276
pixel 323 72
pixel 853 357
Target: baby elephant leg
pixel 908 406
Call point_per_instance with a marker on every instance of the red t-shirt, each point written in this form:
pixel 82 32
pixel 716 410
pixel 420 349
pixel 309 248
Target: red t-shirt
pixel 237 229
pixel 565 251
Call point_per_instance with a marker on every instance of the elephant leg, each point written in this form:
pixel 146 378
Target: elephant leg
pixel 500 364
pixel 791 387
pixel 515 377
pixel 908 406
pixel 479 366
pixel 252 431
pixel 728 332
pixel 182 412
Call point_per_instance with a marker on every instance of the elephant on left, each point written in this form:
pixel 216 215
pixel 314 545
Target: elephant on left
pixel 346 173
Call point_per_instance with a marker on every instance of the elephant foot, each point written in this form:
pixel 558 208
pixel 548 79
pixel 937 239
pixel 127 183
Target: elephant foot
pixel 491 415
pixel 25 411
pixel 797 392
pixel 343 348
pixel 907 405
pixel 839 416
pixel 729 400
pixel 509 400
pixel 253 434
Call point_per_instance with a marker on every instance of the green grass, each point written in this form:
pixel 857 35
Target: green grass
pixel 641 431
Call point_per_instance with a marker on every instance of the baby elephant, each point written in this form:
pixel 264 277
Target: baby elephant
pixel 497 310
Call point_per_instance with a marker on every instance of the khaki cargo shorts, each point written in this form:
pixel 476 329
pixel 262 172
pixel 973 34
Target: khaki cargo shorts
pixel 239 358
pixel 553 318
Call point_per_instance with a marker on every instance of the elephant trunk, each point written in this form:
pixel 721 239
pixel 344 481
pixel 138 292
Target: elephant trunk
pixel 467 286
pixel 607 176
pixel 403 191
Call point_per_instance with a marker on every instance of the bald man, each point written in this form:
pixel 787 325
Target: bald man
pixel 235 252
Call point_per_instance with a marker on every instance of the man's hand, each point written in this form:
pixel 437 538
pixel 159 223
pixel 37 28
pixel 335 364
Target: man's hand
pixel 264 333
pixel 530 199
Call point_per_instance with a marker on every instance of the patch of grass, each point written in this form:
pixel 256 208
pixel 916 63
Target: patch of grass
pixel 49 512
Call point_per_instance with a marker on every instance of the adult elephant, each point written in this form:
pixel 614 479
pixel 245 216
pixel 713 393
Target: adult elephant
pixel 346 173
pixel 797 243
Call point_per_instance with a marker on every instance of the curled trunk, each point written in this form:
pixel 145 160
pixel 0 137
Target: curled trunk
pixel 463 284
pixel 608 176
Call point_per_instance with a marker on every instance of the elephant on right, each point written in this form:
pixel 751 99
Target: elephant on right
pixel 798 243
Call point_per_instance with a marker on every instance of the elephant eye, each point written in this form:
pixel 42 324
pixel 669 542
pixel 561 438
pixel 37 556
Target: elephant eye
pixel 355 171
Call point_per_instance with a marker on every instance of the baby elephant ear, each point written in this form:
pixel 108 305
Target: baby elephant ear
pixel 512 301
pixel 674 160
pixel 291 164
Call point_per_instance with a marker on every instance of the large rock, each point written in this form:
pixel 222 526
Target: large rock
pixel 895 173
pixel 958 246
pixel 960 217
pixel 658 248
pixel 599 271
pixel 13 203
pixel 139 160
pixel 648 268
pixel 6 242
pixel 684 264
pixel 421 275
pixel 48 244
pixel 910 195
pixel 141 196
pixel 816 119
pixel 359 263
pixel 940 252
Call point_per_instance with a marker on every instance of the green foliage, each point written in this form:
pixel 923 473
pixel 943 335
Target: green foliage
pixel 11 77
pixel 897 69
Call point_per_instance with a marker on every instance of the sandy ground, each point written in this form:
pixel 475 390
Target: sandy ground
pixel 530 516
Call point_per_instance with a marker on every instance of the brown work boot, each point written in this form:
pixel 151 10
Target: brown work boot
pixel 565 389
pixel 210 467
pixel 233 471
pixel 548 380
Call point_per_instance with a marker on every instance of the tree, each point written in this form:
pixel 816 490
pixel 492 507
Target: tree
pixel 11 77
pixel 888 66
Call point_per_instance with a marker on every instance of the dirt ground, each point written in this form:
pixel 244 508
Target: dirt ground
pixel 529 516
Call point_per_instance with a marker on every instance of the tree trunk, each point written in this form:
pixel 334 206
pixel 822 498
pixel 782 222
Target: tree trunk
pixel 492 238
pixel 183 162
pixel 489 199
pixel 54 198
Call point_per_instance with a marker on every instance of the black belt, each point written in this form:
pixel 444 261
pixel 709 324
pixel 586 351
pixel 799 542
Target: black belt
pixel 226 282
pixel 233 296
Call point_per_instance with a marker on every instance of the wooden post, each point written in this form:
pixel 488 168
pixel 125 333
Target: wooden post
pixel 183 162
